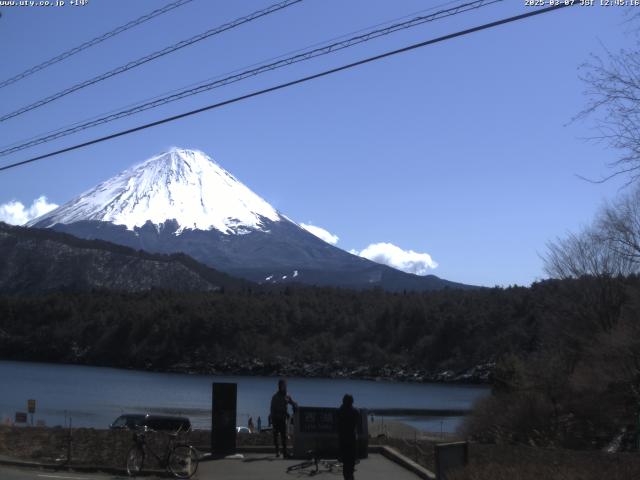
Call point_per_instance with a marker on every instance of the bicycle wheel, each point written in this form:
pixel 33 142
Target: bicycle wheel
pixel 135 460
pixel 183 461
pixel 301 466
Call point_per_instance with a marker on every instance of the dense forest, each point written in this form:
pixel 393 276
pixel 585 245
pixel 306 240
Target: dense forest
pixel 566 352
pixel 157 329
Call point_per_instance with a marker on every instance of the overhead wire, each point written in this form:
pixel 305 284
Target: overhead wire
pixel 152 56
pixel 217 82
pixel 298 81
pixel 25 143
pixel 94 41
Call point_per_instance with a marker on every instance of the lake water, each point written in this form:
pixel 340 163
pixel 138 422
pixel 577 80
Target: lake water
pixel 95 396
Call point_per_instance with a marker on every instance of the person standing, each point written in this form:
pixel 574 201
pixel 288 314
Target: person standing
pixel 279 415
pixel 348 418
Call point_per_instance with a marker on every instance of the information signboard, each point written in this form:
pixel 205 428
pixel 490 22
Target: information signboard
pixel 21 417
pixel 318 420
pixel 316 429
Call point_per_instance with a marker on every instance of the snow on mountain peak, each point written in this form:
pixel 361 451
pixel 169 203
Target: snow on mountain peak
pixel 182 185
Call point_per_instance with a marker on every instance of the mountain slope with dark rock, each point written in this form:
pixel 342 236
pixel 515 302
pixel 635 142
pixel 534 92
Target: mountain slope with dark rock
pixel 35 260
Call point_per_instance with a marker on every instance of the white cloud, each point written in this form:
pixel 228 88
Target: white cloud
pixel 15 213
pixel 394 256
pixel 321 233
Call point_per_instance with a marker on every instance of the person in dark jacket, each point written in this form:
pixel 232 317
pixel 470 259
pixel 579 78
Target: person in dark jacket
pixel 348 418
pixel 279 415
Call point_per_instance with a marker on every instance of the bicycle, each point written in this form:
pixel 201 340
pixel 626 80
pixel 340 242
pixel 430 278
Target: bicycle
pixel 179 459
pixel 315 460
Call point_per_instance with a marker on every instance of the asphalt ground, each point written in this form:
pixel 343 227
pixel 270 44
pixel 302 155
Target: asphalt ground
pixel 267 467
pixel 247 466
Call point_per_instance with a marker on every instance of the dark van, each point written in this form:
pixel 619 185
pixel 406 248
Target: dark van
pixel 162 423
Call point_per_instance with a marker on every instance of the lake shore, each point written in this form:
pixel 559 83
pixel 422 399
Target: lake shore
pixel 96 396
pixel 476 375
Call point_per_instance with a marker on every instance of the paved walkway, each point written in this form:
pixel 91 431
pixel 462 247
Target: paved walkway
pixel 267 467
pixel 251 466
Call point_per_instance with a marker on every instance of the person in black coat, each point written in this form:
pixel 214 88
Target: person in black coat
pixel 348 418
pixel 280 415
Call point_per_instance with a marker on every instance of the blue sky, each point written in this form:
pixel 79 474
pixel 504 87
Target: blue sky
pixel 462 150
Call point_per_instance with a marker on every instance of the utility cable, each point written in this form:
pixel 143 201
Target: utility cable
pixel 219 82
pixel 281 86
pixel 24 143
pixel 152 56
pixel 95 41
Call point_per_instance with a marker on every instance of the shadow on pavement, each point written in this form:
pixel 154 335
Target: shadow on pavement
pixel 266 458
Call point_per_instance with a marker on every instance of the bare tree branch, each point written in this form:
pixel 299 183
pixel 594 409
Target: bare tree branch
pixel 612 88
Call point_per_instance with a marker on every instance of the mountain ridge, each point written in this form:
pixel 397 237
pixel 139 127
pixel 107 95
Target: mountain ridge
pixel 40 260
pixel 183 201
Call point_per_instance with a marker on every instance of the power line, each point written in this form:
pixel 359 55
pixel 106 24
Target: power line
pixel 295 82
pixel 95 41
pixel 152 56
pixel 219 82
pixel 25 143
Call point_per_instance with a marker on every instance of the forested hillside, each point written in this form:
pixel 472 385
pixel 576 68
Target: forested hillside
pixel 446 330
pixel 37 260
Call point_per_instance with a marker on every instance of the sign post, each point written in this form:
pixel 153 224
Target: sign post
pixel 223 418
pixel 450 456
pixel 31 408
pixel 638 433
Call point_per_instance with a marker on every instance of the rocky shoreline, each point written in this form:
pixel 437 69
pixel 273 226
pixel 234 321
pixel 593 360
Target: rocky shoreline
pixel 481 374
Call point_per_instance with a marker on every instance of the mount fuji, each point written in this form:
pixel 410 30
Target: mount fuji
pixel 182 201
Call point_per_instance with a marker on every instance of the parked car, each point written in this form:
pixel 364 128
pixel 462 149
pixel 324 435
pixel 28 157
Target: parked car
pixel 163 423
pixel 128 421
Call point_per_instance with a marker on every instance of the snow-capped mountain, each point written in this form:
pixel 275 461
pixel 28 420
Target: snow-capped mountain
pixel 182 201
pixel 182 185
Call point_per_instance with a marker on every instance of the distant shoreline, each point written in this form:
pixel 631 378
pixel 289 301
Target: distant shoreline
pixel 478 375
